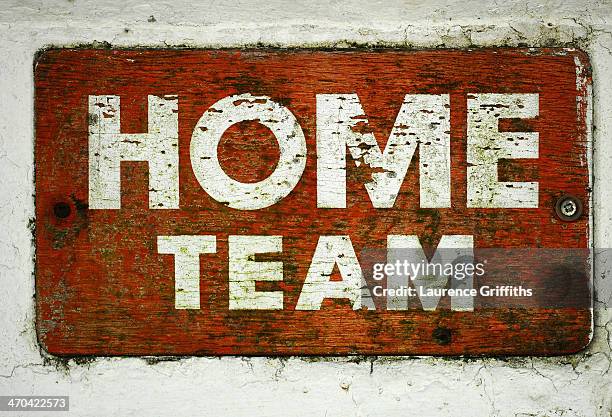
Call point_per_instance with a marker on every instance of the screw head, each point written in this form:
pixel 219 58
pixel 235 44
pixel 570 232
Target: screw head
pixel 568 208
pixel 61 210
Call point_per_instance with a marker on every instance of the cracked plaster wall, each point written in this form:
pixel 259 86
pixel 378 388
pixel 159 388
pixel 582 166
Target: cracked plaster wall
pixel 577 385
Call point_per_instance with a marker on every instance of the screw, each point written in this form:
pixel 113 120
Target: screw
pixel 568 208
pixel 61 210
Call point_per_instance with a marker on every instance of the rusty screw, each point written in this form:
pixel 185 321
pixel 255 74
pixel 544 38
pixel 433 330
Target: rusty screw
pixel 568 208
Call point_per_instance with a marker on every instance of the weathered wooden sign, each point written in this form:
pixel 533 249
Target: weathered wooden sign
pixel 287 202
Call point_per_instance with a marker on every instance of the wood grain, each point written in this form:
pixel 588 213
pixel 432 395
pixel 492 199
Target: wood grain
pixel 102 288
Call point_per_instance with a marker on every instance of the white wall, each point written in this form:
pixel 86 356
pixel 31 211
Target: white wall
pixel 578 385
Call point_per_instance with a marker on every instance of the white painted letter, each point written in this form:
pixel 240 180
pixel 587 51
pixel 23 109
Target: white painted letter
pixel 330 251
pixel 423 120
pixel 186 250
pixel 205 140
pixel 108 147
pixel 486 145
pixel 244 271
pixel 408 249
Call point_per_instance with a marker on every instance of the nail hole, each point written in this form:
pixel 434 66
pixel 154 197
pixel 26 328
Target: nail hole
pixel 61 210
pixel 442 335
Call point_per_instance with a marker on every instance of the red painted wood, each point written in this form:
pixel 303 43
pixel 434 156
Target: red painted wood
pixel 102 288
